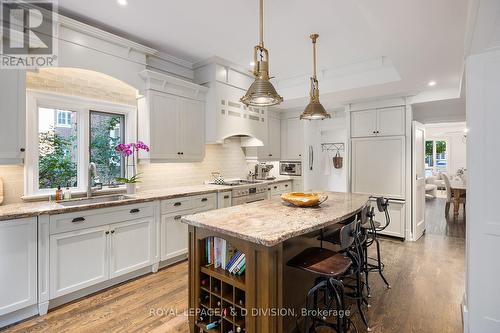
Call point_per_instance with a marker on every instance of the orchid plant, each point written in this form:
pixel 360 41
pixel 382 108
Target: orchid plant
pixel 127 150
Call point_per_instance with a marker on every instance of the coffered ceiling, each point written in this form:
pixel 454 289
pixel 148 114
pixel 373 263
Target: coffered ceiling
pixel 366 48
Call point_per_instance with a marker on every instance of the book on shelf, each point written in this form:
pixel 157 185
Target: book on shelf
pixel 221 254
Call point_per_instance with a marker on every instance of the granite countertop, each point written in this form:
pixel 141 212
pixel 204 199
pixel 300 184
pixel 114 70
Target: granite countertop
pixel 31 209
pixel 271 222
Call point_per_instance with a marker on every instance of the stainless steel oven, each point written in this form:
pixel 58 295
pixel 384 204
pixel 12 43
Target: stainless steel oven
pixel 291 168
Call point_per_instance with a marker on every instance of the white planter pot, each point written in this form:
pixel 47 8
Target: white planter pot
pixel 131 187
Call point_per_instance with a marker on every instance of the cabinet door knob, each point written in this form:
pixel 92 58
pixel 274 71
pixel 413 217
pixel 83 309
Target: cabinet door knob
pixel 275 187
pixel 226 197
pixel 300 155
pixel 107 232
pixel 177 204
pixel 286 185
pixel 78 219
pixel 270 154
pixel 135 210
pixel 204 199
pixel 177 217
pixel 112 231
pixel 22 150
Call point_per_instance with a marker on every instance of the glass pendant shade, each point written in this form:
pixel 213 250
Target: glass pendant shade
pixel 314 110
pixel 261 92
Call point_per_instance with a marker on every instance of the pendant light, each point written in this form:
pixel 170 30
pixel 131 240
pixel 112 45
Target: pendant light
pixel 261 92
pixel 314 110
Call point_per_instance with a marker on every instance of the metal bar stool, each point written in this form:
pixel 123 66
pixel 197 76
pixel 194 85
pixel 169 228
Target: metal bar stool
pixel 356 253
pixel 372 228
pixel 330 267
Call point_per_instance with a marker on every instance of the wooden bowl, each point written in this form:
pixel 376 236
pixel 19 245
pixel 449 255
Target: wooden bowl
pixel 300 199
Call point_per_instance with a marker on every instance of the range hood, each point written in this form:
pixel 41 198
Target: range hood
pixel 226 117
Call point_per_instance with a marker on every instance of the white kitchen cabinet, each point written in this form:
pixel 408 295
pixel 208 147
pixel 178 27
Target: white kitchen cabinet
pixel 191 129
pixel 397 211
pixel 378 166
pixel 271 151
pixel 18 264
pixel 364 123
pixel 391 121
pixel 277 189
pixel 174 237
pixel 224 199
pixel 13 115
pixel 78 259
pixel 378 122
pixel 174 233
pixel 132 245
pixel 173 126
pixel 94 246
pixel 298 185
pixel 292 139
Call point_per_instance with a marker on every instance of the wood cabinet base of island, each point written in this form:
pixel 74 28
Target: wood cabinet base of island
pixel 274 294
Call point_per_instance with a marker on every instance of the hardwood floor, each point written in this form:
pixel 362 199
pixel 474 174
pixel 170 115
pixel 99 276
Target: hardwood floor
pixel 427 279
pixel 438 224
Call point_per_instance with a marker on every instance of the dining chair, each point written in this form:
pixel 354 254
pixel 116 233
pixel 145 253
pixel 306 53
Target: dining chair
pixel 449 195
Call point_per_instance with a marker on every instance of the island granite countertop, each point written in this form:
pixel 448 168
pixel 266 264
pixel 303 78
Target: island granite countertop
pixel 270 222
pixel 32 209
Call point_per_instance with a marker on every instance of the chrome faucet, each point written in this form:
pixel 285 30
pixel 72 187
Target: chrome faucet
pixel 92 174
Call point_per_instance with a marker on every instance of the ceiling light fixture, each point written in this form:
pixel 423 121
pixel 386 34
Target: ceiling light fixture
pixel 122 2
pixel 431 83
pixel 314 110
pixel 261 92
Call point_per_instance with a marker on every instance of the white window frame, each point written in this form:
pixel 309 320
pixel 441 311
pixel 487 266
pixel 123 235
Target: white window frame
pixel 67 124
pixel 82 107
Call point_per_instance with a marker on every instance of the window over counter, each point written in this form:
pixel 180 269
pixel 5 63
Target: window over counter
pixel 106 131
pixel 65 134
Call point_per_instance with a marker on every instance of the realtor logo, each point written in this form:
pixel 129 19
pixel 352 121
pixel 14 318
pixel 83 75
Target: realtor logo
pixel 28 34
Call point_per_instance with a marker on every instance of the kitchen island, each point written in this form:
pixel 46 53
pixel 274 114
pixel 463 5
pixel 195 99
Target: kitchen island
pixel 269 295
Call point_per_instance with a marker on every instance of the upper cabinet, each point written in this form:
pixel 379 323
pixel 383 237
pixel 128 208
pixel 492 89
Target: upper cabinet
pixel 13 115
pixel 171 118
pixel 378 122
pixel 271 151
pixel 292 139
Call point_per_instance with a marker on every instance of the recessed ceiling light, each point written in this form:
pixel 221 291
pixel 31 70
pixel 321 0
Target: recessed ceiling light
pixel 122 2
pixel 431 83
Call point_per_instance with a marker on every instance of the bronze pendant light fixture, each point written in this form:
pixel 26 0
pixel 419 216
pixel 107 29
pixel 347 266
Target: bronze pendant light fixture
pixel 261 92
pixel 314 110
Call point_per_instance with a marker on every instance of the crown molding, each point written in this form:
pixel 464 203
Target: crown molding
pixel 103 35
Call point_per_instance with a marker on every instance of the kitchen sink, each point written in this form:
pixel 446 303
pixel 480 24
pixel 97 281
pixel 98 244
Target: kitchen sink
pixel 95 200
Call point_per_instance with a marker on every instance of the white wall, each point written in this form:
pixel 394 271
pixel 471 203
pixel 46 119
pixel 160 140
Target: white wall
pixel 453 134
pixel 324 176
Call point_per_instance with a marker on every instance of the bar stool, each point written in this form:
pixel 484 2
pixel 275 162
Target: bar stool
pixel 372 228
pixel 356 252
pixel 330 267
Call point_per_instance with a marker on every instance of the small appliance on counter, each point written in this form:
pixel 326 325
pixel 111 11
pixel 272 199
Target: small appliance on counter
pixel 262 171
pixel 291 168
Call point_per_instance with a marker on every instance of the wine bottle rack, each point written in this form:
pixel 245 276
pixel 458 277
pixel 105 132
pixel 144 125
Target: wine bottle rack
pixel 222 300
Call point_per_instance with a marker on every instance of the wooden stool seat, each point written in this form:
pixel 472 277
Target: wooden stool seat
pixel 321 261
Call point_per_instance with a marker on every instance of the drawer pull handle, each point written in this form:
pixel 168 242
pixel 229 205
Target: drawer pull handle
pixel 112 231
pixel 286 185
pixel 177 203
pixel 78 219
pixel 275 187
pixel 135 210
pixel 226 197
pixel 204 199
pixel 177 217
pixel 107 232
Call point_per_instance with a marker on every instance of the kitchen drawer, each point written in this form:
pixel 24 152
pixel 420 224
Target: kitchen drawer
pixel 176 205
pixel 98 217
pixel 204 202
pixel 281 187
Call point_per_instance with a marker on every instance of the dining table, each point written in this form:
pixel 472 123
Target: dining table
pixel 458 188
